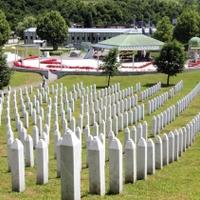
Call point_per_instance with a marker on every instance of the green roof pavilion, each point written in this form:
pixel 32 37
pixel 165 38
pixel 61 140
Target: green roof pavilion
pixel 131 42
pixel 194 43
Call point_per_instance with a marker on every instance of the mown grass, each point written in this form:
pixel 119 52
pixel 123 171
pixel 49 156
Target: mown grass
pixel 22 51
pixel 24 78
pixel 179 180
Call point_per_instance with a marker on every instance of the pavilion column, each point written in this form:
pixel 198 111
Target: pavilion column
pixel 118 57
pixel 133 59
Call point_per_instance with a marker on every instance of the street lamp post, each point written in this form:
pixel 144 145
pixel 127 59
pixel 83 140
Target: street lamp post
pixel 39 54
pixel 133 59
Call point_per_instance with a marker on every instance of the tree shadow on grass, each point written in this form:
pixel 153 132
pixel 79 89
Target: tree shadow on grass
pixel 101 87
pixel 149 84
pixel 163 85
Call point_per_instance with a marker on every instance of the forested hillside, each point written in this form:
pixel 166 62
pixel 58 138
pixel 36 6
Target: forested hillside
pixel 97 12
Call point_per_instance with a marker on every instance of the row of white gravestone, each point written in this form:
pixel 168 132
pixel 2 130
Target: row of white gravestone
pixel 35 104
pixel 22 132
pixel 37 119
pixel 140 159
pixel 106 100
pixel 182 104
pixel 111 110
pixel 78 88
pixel 161 120
pixel 175 89
pixel 137 87
pixel 150 91
pixel 92 119
pixel 123 120
pixel 39 124
pixel 121 105
pixel 21 127
pixel 116 89
pixel 178 87
pixel 21 155
pixel 164 118
pixel 120 94
pixel 157 102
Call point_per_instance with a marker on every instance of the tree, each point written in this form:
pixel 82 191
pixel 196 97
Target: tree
pixel 88 20
pixel 52 27
pixel 188 25
pixel 5 71
pixel 28 21
pixel 164 30
pixel 4 29
pixel 110 64
pixel 171 59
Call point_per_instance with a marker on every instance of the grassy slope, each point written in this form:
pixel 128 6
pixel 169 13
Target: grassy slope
pixel 179 180
pixel 23 78
pixel 22 51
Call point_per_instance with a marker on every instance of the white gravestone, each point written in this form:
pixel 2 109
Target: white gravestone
pixel 96 167
pixel 165 146
pixel 158 153
pixel 42 162
pixel 130 161
pixel 116 169
pixel 141 159
pixel 150 157
pixel 29 156
pixel 17 166
pixel 70 166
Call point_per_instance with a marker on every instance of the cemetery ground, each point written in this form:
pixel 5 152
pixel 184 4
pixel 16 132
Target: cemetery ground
pixel 178 180
pixel 24 78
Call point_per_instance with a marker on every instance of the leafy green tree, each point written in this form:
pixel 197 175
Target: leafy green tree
pixel 188 25
pixel 110 64
pixel 164 31
pixel 5 71
pixel 52 27
pixel 28 21
pixel 88 20
pixel 171 59
pixel 4 29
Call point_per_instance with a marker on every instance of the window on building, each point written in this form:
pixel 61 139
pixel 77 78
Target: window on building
pixel 83 38
pixel 88 38
pixel 72 37
pixel 77 38
pixel 26 37
pixel 104 38
pixel 31 37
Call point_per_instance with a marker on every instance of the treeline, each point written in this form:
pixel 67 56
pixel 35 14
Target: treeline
pixel 98 12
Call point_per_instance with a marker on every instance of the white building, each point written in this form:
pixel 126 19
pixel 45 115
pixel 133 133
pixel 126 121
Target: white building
pixel 77 36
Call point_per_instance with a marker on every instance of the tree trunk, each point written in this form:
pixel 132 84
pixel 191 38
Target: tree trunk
pixel 108 80
pixel 168 76
pixel 55 47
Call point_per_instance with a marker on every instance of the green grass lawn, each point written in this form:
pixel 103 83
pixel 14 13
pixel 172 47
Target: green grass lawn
pixel 22 51
pixel 24 78
pixel 179 180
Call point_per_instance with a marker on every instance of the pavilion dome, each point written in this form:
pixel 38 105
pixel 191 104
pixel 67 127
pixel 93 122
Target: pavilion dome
pixel 194 42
